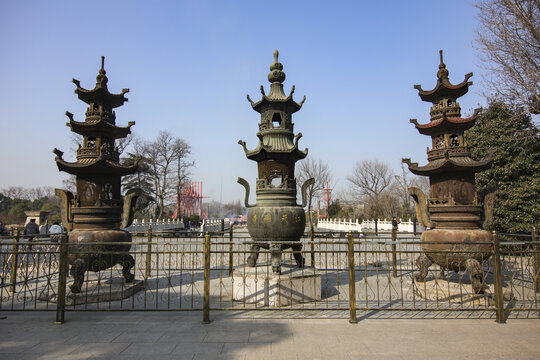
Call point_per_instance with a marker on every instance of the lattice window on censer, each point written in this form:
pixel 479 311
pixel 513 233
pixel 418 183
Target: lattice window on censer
pixel 276 120
pixel 276 177
pixel 453 140
pixel 108 192
pixel 107 145
pixel 438 142
pixel 91 142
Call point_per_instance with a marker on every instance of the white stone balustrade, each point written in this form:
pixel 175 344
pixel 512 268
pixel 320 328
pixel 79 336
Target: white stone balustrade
pixel 367 225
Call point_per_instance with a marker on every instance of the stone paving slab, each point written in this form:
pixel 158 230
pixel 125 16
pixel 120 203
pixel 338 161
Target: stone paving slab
pixel 252 335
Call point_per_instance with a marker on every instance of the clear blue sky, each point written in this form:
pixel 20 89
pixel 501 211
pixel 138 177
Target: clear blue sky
pixel 190 64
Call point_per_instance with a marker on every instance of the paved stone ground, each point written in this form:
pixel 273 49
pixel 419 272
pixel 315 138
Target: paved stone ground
pixel 260 336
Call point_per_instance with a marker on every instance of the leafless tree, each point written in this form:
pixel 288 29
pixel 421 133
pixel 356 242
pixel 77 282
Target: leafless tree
pixel 371 182
pixel 370 178
pixel 318 170
pixel 183 165
pixel 167 158
pixel 509 43
pixel 233 208
pixel 19 192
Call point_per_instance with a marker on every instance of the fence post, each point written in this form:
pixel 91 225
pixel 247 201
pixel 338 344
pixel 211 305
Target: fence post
pixel 62 279
pixel 206 301
pixel 536 254
pixel 352 279
pixel 231 250
pixel 312 239
pixel 499 301
pixel 394 257
pixel 14 261
pixel 148 255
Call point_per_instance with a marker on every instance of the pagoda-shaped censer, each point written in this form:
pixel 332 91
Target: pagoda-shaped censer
pixel 276 222
pixel 97 211
pixel 455 212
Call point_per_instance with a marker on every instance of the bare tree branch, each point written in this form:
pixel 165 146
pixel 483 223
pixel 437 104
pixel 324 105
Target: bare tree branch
pixel 166 157
pixel 317 169
pixel 509 43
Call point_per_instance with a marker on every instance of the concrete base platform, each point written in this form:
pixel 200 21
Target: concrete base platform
pixel 94 291
pixel 259 285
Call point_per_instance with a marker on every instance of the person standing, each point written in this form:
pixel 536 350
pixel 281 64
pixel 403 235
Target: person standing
pixel 395 223
pixel 31 230
pixel 55 230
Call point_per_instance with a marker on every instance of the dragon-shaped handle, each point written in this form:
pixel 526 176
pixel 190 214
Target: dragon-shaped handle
pixel 420 206
pixel 66 198
pixel 307 184
pixel 245 184
pixel 129 207
pixel 487 198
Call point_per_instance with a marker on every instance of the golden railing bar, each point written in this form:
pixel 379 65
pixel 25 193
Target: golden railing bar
pixel 499 301
pixel 206 301
pixel 394 258
pixel 536 257
pixel 352 279
pixel 14 261
pixel 148 255
pixel 231 250
pixel 62 279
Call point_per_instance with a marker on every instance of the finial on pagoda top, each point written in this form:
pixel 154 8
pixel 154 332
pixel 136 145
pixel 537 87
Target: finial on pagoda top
pixel 443 72
pixel 101 79
pixel 276 74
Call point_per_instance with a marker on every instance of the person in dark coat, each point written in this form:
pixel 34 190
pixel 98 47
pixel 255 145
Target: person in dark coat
pixel 395 223
pixel 31 229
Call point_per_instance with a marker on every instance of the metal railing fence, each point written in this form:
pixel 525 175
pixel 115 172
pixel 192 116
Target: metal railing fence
pixel 206 272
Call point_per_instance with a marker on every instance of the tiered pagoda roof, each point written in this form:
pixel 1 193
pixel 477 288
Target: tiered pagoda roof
pixel 276 142
pixel 97 155
pixel 100 126
pixel 450 164
pixel 443 88
pixel 95 166
pixel 100 95
pixel 446 127
pixel 446 124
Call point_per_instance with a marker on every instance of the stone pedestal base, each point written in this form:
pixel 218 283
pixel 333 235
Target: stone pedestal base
pixel 94 292
pixel 455 292
pixel 259 285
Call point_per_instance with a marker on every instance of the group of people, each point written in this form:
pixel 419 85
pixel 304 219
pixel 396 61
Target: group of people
pixel 32 228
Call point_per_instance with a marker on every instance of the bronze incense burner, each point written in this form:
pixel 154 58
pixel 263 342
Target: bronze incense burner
pixel 454 211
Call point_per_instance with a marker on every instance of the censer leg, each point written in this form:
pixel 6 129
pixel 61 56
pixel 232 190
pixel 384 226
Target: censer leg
pixel 252 258
pixel 127 262
pixel 275 253
pixel 78 268
pixel 423 263
pixel 297 253
pixel 477 275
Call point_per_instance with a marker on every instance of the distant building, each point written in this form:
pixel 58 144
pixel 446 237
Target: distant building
pixel 40 216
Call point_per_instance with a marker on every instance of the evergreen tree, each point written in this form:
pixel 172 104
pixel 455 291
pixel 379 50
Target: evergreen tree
pixel 516 168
